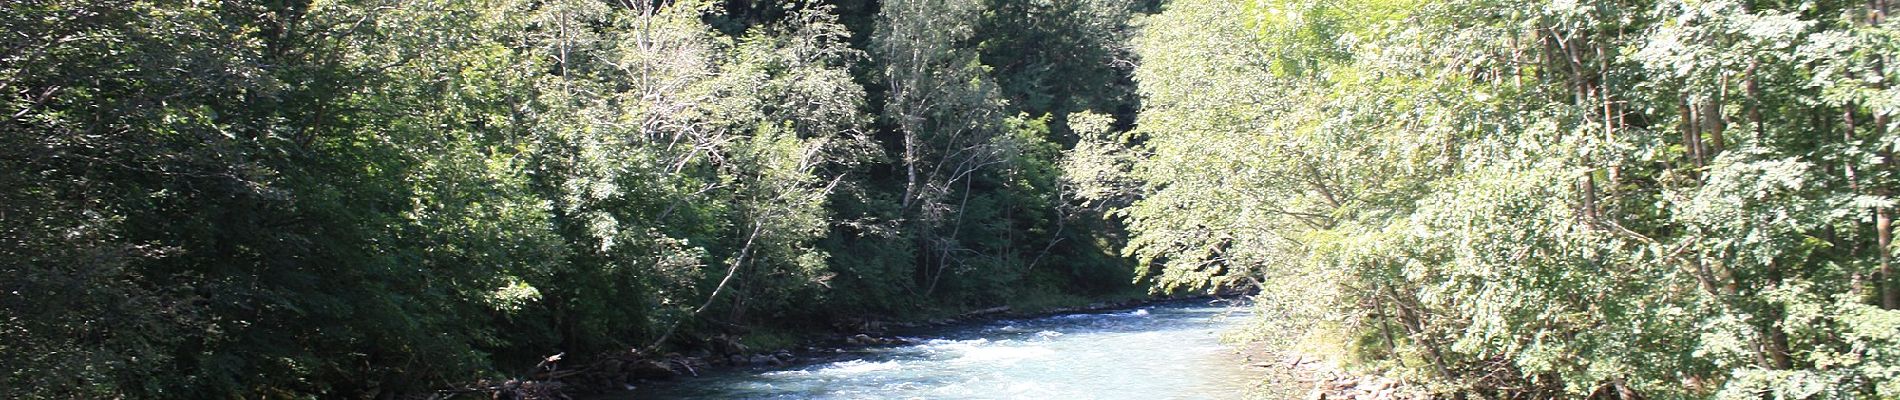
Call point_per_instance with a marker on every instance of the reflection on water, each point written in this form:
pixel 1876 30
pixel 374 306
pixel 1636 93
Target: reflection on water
pixel 1159 352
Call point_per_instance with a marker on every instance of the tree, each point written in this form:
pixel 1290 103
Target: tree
pixel 1565 198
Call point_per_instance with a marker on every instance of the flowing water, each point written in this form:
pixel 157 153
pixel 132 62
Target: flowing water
pixel 1170 351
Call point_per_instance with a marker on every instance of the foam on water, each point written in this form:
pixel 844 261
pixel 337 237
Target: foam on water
pixel 1002 354
pixel 858 367
pixel 795 372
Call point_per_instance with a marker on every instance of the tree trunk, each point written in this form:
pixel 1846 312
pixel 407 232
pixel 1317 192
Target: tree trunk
pixel 1691 137
pixel 1751 86
pixel 1883 216
pixel 910 166
pixel 1415 328
pixel 1883 228
pixel 1713 123
pixel 1775 348
pixel 1588 185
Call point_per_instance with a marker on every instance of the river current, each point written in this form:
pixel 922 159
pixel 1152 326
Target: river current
pixel 1167 351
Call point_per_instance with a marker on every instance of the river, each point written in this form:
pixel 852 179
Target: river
pixel 1164 351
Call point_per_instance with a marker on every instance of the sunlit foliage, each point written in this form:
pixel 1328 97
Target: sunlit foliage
pixel 1678 199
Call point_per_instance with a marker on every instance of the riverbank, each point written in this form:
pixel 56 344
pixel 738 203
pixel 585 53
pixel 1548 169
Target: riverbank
pixel 1295 376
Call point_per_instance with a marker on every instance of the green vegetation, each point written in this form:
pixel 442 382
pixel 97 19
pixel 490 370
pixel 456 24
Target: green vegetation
pixel 1677 199
pixel 366 198
pixel 343 198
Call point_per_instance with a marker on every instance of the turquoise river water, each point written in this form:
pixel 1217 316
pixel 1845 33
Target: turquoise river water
pixel 1166 351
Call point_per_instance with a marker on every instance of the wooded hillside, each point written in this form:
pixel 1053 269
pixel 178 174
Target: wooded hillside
pixel 210 199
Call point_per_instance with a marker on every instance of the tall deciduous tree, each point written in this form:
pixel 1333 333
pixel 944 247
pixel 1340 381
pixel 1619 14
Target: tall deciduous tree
pixel 1678 199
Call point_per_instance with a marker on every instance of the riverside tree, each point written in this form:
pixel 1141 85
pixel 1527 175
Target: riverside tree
pixel 365 198
pixel 1664 198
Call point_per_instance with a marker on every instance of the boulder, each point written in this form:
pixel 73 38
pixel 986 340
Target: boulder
pixel 759 360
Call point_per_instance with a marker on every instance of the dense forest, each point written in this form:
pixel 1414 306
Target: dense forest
pixel 368 198
pixel 211 199
pixel 1666 199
